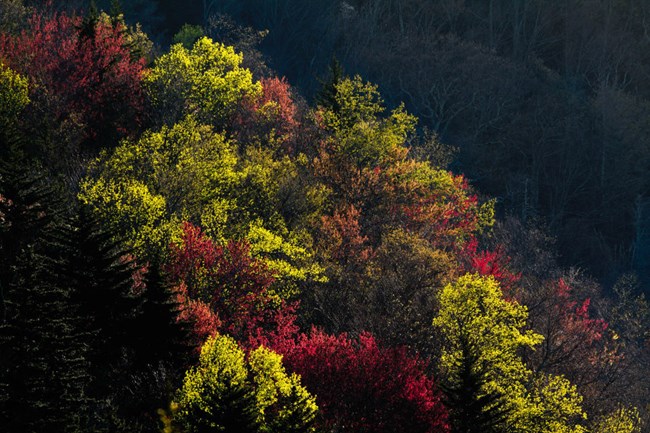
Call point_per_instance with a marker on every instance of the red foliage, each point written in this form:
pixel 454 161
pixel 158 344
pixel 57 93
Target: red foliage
pixel 138 274
pixel 277 92
pixel 272 116
pixel 444 217
pixel 391 194
pixel 576 345
pixel 86 76
pixel 204 321
pixel 575 318
pixel 342 238
pixel 228 282
pixel 363 387
pixel 488 263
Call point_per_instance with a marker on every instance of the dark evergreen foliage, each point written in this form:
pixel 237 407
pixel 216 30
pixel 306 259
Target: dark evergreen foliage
pixel 137 346
pixel 326 95
pixel 103 282
pixel 232 410
pixel 471 410
pixel 43 368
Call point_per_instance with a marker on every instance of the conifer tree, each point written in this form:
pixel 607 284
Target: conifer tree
pixel 327 94
pixel 43 368
pixel 488 386
pixel 103 283
pixel 136 347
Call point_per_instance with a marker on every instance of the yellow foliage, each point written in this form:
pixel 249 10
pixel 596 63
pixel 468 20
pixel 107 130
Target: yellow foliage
pixel 226 387
pixel 14 95
pixel 479 325
pixel 206 80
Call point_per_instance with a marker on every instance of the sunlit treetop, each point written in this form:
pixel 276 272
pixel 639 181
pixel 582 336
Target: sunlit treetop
pixel 483 335
pixel 362 132
pixel 13 93
pixel 206 80
pixel 228 391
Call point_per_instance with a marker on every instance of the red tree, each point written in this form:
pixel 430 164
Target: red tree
pixel 81 72
pixel 342 240
pixel 224 288
pixel 271 119
pixel 363 387
pixel 576 345
pixel 485 262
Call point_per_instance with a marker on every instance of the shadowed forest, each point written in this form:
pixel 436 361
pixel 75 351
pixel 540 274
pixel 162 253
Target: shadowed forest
pixel 377 216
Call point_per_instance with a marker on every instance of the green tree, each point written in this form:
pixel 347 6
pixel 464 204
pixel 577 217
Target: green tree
pixel 622 420
pixel 188 172
pixel 188 35
pixel 144 189
pixel 207 81
pixel 13 14
pixel 43 368
pixel 360 132
pixel 326 95
pixel 14 95
pixel 489 387
pixel 227 392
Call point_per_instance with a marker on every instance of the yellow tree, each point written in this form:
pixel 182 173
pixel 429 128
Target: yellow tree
pixel 207 81
pixel 230 392
pixel 488 386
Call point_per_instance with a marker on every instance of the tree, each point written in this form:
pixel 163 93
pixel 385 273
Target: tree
pixel 362 386
pixel 206 81
pixel 44 372
pixel 326 96
pixel 363 158
pixel 231 392
pixel 226 289
pixel 13 14
pixel 402 279
pixel 622 420
pixel 577 345
pixel 271 119
pixel 377 189
pixel 83 76
pixel 489 387
pixel 144 189
pixel 13 95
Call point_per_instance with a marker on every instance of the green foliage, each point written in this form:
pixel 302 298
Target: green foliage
pixel 326 96
pixel 226 392
pixel 207 81
pixel 145 189
pixel 289 259
pixel 134 37
pixel 482 334
pixel 14 95
pixel 356 122
pixel 480 358
pixel 188 35
pixel 188 172
pixel 553 405
pixel 622 420
pixel 13 14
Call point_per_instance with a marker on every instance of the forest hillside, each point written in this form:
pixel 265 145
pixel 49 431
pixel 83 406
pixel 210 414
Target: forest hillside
pixel 357 216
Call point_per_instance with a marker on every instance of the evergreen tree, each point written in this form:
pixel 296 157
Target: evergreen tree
pixel 43 368
pixel 471 410
pixel 137 349
pixel 162 335
pixel 489 388
pixel 103 283
pixel 326 96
